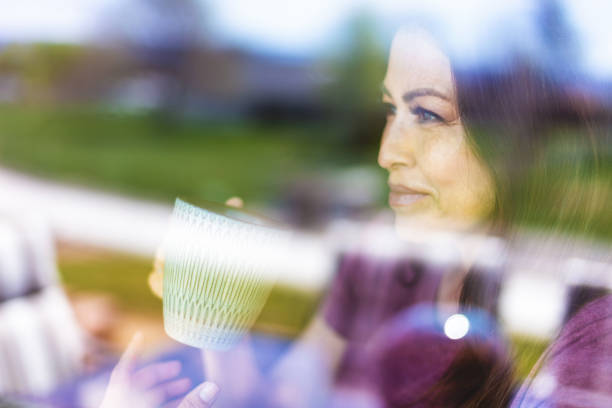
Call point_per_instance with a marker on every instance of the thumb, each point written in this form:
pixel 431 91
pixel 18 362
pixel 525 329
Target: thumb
pixel 202 396
pixel 130 356
pixel 235 202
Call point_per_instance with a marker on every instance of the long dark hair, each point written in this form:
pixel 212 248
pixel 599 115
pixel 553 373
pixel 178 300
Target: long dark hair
pixel 526 125
pixel 538 141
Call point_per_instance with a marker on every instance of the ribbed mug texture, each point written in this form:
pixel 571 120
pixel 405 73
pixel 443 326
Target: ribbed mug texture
pixel 218 273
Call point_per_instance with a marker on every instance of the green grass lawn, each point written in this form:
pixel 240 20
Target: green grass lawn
pixel 145 155
pixel 527 351
pixel 124 277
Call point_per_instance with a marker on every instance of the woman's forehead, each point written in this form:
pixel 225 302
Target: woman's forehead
pixel 416 61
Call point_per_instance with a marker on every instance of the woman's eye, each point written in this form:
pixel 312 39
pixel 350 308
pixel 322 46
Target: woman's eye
pixel 389 109
pixel 426 116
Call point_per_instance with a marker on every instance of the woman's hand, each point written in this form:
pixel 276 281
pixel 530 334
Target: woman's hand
pixel 156 277
pixel 234 370
pixel 152 385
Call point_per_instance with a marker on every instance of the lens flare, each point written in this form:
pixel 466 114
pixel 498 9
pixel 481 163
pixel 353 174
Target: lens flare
pixel 456 326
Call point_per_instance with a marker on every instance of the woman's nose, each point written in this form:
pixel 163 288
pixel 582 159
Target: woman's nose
pixel 396 147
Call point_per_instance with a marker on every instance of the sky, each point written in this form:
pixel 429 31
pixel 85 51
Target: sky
pixel 313 26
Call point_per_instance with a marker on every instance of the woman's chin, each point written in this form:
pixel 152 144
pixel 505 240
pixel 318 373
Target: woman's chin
pixel 411 225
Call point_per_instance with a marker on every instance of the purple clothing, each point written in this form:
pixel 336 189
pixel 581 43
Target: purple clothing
pixel 410 355
pixel 397 348
pixel 577 367
pixel 365 293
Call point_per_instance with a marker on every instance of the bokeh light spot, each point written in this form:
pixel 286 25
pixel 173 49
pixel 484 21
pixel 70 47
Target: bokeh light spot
pixel 456 326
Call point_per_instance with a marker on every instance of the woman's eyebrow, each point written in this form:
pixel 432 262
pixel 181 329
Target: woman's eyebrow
pixel 410 95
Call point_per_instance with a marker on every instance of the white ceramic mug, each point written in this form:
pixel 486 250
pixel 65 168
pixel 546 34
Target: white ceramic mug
pixel 219 268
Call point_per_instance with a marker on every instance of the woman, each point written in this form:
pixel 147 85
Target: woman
pixel 438 178
pixel 434 147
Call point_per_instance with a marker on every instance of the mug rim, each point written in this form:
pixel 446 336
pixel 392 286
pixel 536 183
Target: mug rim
pixel 234 214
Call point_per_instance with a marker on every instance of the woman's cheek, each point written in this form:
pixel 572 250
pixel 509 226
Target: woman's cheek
pixel 465 188
pixel 445 157
pixel 453 171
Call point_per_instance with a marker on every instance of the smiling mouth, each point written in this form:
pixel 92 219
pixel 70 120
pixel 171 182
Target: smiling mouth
pixel 401 196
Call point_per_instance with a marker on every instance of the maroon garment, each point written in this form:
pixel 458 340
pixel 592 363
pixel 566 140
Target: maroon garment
pixel 365 293
pixel 408 356
pixel 577 370
pixel 397 348
pixel 411 354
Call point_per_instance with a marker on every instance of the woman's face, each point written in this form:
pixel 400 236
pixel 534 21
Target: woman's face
pixel 434 175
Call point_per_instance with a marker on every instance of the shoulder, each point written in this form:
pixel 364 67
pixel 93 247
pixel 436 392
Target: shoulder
pixel 590 329
pixel 577 369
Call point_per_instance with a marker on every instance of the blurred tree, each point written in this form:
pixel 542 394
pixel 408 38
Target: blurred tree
pixel 354 93
pixel 163 36
pixel 40 68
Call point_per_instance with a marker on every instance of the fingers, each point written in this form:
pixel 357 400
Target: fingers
pixel 235 202
pixel 156 373
pixel 203 396
pixel 151 385
pixel 221 367
pixel 170 390
pixel 130 356
pixel 156 283
pixel 156 277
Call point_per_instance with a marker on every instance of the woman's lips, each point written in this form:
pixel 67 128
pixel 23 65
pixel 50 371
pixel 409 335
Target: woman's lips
pixel 401 196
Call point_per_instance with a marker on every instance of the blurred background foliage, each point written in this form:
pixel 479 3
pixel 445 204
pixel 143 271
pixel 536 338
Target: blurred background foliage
pixel 149 156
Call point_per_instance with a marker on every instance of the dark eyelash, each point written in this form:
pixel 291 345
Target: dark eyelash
pixel 389 108
pixel 420 111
